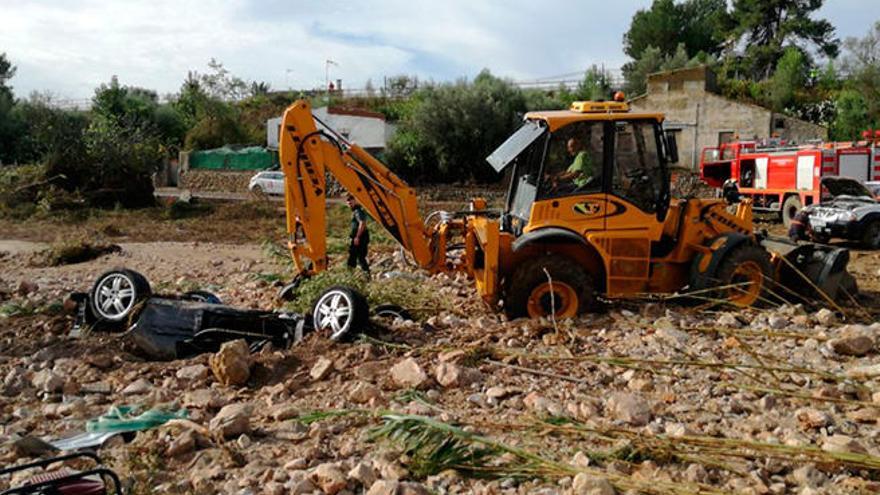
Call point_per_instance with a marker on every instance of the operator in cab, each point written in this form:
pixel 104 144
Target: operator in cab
pixel 581 169
pixel 359 236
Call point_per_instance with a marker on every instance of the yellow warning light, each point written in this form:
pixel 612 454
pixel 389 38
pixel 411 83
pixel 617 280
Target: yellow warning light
pixel 599 106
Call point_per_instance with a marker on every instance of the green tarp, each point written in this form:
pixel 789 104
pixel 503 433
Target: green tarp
pixel 252 158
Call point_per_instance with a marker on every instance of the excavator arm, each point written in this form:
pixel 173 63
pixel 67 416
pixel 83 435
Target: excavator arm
pixel 308 150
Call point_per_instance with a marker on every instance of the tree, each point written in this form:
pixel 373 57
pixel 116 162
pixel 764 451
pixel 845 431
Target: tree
pixel 767 27
pixel 9 125
pixel 790 75
pixel 697 24
pixel 861 63
pixel 48 130
pixel 851 116
pixel 261 88
pixel 133 107
pixel 652 60
pixel 451 128
pixel 222 84
pixel 7 71
pixel 595 86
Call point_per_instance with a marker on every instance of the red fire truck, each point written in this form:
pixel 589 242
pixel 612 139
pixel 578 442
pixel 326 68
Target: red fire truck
pixel 783 178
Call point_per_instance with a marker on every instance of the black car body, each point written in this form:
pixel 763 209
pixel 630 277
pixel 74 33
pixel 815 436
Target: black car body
pixel 848 210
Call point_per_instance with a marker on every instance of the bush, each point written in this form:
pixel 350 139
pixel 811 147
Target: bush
pixel 70 251
pixel 19 185
pixel 450 129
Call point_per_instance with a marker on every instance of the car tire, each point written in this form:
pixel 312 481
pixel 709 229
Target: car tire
pixel 871 235
pixel 342 311
pixel 258 191
pixel 116 294
pixel 529 291
pixel 790 207
pixel 393 312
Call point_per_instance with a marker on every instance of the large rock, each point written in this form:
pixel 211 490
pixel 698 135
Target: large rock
pixel 852 345
pixel 811 418
pixel 232 420
pixel 408 373
pixel 329 478
pixel 843 444
pixel 585 484
pixel 825 317
pixel 629 408
pixel 204 398
pixel 364 392
pixel 182 444
pixel 26 287
pixel 364 474
pixel 384 487
pixel 451 375
pixel 231 365
pixel 283 412
pixel 808 475
pixel 866 371
pixel 321 369
pixel 47 381
pixel 193 372
pixel 138 387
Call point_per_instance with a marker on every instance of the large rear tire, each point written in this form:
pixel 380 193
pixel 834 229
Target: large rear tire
pixel 790 207
pixel 567 292
pixel 742 276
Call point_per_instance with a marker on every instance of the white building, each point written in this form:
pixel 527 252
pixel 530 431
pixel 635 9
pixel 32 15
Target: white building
pixel 364 128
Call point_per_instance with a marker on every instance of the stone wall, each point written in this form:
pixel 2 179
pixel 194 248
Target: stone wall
pixel 797 130
pixel 215 180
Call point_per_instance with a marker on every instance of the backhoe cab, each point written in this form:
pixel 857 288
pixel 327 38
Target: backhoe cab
pixel 588 213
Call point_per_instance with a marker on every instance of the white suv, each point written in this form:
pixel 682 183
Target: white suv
pixel 267 182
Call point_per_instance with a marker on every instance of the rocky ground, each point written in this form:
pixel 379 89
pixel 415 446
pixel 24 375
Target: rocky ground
pixel 646 397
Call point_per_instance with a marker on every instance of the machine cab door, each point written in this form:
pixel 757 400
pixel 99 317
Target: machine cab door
pixel 638 196
pixel 571 190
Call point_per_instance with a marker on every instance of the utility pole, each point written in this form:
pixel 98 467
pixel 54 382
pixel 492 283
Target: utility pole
pixel 327 87
pixel 287 73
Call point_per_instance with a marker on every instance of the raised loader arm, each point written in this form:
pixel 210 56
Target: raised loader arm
pixel 306 153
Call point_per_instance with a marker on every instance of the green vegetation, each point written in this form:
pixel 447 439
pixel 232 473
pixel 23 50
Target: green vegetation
pixel 415 295
pixel 774 53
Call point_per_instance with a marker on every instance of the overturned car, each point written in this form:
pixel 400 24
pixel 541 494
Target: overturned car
pixel 848 210
pixel 167 327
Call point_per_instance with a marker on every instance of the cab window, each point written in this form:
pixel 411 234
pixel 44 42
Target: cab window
pixel 637 174
pixel 574 160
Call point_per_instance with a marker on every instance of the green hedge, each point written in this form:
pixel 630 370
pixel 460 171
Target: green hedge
pixel 226 158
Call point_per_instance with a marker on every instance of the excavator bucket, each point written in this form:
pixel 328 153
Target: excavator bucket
pixel 811 271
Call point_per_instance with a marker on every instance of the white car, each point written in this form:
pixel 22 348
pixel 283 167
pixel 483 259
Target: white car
pixel 267 182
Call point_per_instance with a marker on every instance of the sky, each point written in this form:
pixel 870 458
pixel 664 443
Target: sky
pixel 69 47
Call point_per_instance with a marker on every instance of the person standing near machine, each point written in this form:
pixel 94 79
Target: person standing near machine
pixel 359 236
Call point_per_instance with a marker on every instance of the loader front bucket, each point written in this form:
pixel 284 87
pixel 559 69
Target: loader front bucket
pixel 812 271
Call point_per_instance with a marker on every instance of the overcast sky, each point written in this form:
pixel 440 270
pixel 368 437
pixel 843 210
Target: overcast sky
pixel 68 47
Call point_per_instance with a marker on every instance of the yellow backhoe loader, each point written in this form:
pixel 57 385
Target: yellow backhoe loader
pixel 588 214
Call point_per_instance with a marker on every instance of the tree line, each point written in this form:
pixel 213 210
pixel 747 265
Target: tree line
pixel 770 52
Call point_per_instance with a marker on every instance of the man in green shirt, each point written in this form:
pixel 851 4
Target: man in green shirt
pixel 581 169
